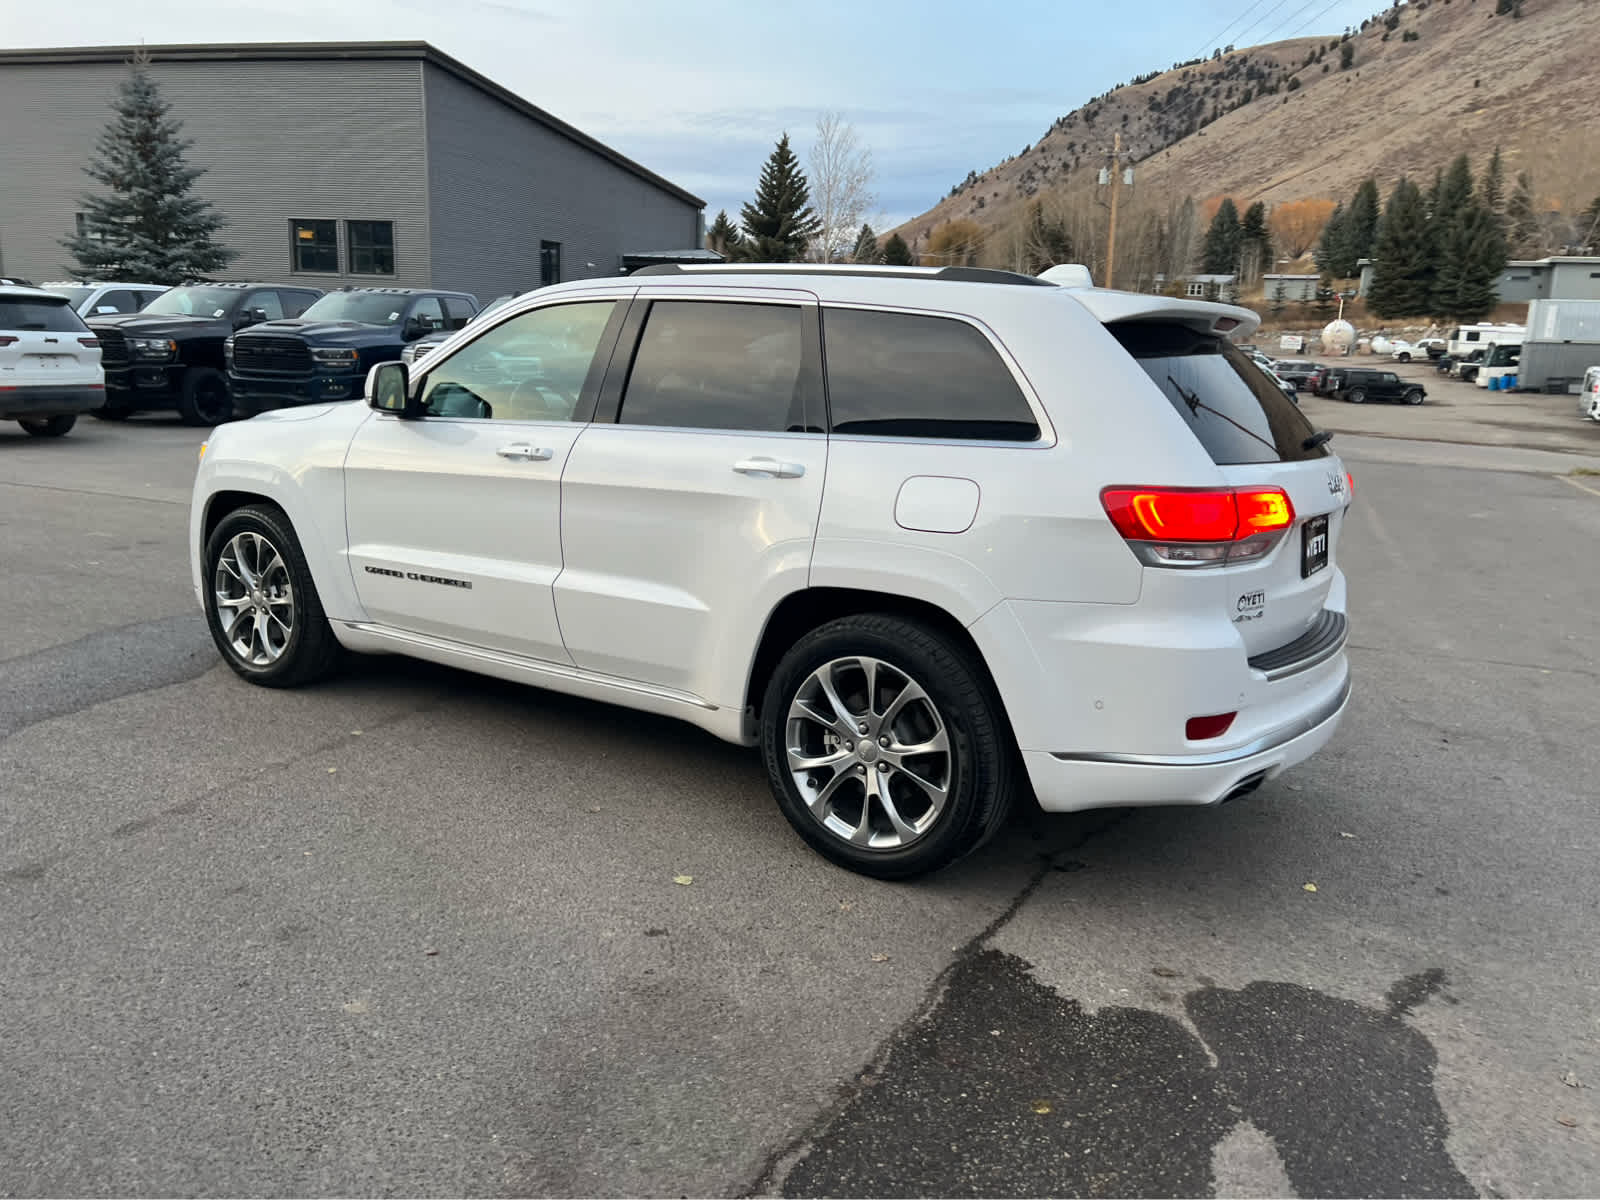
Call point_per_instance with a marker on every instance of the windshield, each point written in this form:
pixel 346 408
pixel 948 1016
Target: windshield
pixel 367 307
pixel 75 295
pixel 195 302
pixel 1231 405
pixel 1504 356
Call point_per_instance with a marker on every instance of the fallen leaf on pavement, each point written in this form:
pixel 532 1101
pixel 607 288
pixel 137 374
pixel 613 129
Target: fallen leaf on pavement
pixel 880 958
pixel 1042 1107
pixel 1166 973
pixel 1569 1122
pixel 685 880
pixel 1571 1079
pixel 1309 887
pixel 1342 833
pixel 333 770
pixel 430 953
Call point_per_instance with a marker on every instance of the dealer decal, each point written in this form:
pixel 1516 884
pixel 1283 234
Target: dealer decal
pixel 418 577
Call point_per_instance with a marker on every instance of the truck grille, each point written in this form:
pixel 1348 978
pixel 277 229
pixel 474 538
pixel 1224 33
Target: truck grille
pixel 274 355
pixel 113 347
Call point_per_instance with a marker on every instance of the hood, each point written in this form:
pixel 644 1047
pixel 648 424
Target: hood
pixel 328 333
pixel 163 325
pixel 303 412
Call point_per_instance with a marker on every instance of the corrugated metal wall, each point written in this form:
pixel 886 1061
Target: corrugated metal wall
pixel 1564 321
pixel 501 183
pixel 1575 281
pixel 1542 361
pixel 337 140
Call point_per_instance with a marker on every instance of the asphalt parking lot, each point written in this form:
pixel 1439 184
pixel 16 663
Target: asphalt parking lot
pixel 416 932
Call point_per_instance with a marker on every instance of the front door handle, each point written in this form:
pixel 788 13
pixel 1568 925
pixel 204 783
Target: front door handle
pixel 769 468
pixel 522 452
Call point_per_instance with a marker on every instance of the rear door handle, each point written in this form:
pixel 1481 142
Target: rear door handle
pixel 522 452
pixel 769 468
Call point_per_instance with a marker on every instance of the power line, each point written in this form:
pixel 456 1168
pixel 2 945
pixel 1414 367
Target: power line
pixel 1260 22
pixel 1289 20
pixel 1317 18
pixel 1218 39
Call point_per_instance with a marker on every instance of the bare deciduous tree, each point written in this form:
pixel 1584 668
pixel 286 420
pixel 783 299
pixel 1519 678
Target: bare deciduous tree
pixel 841 177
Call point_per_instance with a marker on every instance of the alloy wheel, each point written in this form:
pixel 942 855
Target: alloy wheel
pixel 255 608
pixel 869 753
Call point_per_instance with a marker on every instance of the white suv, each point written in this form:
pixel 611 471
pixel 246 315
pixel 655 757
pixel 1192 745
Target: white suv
pixel 49 362
pixel 928 537
pixel 106 299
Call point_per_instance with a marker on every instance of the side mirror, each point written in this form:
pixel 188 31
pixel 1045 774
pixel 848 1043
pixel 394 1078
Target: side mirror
pixel 389 390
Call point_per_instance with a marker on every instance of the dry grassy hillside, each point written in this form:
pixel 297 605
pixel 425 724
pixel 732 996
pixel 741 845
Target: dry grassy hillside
pixel 1467 81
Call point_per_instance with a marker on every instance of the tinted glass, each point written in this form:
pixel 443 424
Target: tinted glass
pixel 314 245
pixel 295 303
pixel 268 303
pixel 1238 414
pixel 427 313
pixel 711 365
pixel 121 300
pixel 531 368
pixel 370 308
pixel 371 247
pixel 902 375
pixel 196 301
pixel 45 316
pixel 457 312
pixel 75 295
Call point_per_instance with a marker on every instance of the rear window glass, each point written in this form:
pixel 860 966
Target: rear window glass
pixel 47 316
pixel 903 375
pixel 1235 410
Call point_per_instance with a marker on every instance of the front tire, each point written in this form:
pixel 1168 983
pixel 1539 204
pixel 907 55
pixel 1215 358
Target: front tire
pixel 204 397
pixel 261 605
pixel 1404 357
pixel 1413 397
pixel 1356 396
pixel 885 746
pixel 49 426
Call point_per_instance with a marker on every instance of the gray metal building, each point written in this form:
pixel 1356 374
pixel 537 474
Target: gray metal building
pixel 1555 278
pixel 371 163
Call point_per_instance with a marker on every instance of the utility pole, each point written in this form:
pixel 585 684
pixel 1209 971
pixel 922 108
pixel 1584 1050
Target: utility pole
pixel 1114 176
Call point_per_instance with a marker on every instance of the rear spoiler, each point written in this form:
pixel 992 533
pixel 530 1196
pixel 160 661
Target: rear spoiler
pixel 1107 305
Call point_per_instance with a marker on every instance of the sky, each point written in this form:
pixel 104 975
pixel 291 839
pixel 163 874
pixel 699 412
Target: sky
pixel 700 92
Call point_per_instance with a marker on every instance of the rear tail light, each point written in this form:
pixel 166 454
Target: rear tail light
pixel 1199 527
pixel 1349 487
pixel 6 339
pixel 90 342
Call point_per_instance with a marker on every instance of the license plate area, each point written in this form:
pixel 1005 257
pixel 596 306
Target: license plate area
pixel 1313 546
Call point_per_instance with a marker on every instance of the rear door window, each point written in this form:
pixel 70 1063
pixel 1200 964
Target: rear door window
pixel 907 375
pixel 45 316
pixel 706 364
pixel 1235 410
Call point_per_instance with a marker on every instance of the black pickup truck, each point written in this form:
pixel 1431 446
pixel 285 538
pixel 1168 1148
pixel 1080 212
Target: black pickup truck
pixel 326 354
pixel 169 354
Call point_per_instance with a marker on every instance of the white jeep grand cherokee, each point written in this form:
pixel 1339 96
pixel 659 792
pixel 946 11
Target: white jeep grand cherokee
pixel 928 537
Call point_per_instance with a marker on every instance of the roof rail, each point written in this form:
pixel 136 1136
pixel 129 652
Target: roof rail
pixel 955 274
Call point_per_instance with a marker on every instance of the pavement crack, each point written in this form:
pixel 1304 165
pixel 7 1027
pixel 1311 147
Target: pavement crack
pixel 51 487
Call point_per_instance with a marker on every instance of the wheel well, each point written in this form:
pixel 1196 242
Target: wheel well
pixel 801 612
pixel 223 503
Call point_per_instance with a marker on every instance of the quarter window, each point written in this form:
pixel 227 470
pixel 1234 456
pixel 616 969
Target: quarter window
pixel 457 312
pixel 904 375
pixel 371 247
pixel 534 367
pixel 268 303
pixel 717 365
pixel 549 263
pixel 314 246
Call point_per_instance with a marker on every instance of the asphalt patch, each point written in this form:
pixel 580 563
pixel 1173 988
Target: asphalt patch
pixel 103 666
pixel 1009 1089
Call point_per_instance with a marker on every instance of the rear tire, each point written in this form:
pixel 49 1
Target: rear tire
pixel 204 398
pixel 1404 357
pixel 876 808
pixel 1414 396
pixel 49 426
pixel 261 604
pixel 1356 396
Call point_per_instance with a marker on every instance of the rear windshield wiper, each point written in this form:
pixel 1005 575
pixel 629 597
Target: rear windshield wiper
pixel 1320 438
pixel 1192 399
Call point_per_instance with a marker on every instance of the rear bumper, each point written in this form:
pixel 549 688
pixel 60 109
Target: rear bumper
pixel 49 400
pixel 1070 782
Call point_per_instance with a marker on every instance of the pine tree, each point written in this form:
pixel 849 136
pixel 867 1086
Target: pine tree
pixel 1448 235
pixel 1493 187
pixel 1332 254
pixel 896 253
pixel 149 225
pixel 1522 223
pixel 1588 222
pixel 1255 241
pixel 1455 190
pixel 779 223
pixel 1363 227
pixel 1220 255
pixel 1402 273
pixel 723 236
pixel 866 248
pixel 1472 253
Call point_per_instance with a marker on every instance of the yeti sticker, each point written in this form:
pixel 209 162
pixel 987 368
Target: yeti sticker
pixel 1250 607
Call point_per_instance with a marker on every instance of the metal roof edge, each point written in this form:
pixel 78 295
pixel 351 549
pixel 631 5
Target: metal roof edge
pixel 332 51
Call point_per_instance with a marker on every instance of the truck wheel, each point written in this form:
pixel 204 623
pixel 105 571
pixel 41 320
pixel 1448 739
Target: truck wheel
pixel 1403 356
pixel 204 398
pixel 49 426
pixel 261 605
pixel 1414 396
pixel 886 747
pixel 1356 396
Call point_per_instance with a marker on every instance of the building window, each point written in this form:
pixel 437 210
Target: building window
pixel 371 247
pixel 1197 289
pixel 314 246
pixel 549 263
